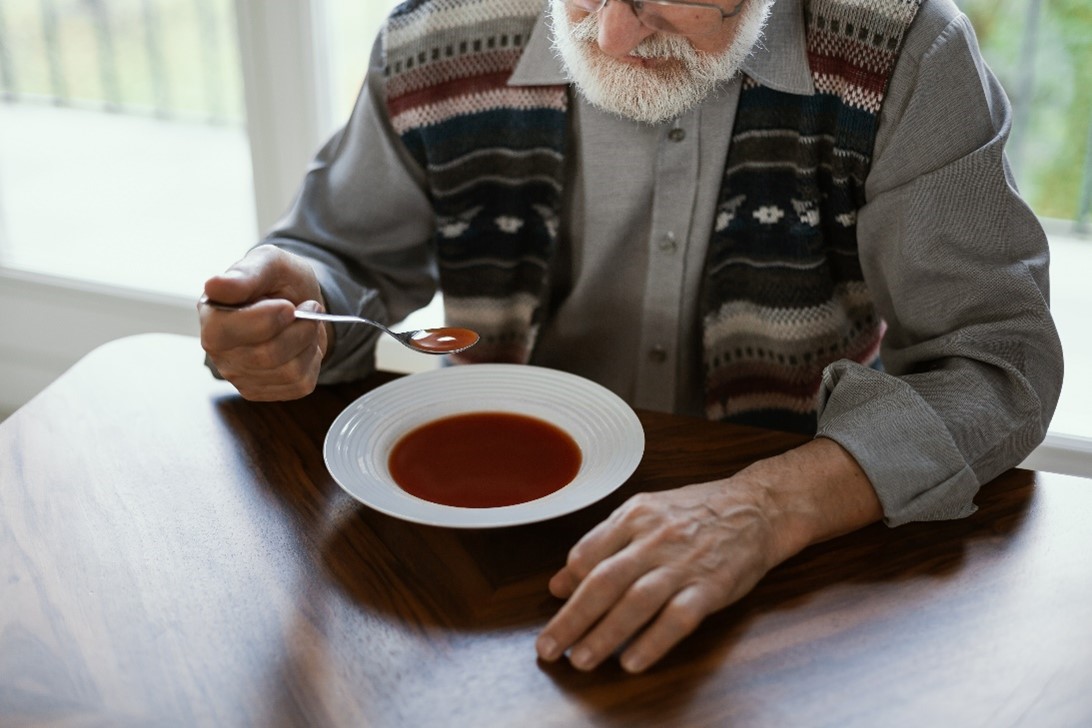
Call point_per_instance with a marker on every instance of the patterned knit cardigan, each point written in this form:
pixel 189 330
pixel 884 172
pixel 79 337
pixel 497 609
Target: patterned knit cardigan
pixel 783 293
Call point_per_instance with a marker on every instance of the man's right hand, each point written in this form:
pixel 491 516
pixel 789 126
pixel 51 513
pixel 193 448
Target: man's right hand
pixel 263 349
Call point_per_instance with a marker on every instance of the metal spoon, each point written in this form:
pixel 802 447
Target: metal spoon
pixel 443 340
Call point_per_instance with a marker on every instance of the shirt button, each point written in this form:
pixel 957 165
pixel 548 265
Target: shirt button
pixel 658 354
pixel 676 135
pixel 668 244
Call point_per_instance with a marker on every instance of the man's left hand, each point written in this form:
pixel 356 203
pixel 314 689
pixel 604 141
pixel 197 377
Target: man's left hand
pixel 646 577
pixel 666 560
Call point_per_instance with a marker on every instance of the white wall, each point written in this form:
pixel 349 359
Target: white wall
pixel 47 324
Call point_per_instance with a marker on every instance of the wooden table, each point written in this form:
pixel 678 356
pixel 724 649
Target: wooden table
pixel 171 554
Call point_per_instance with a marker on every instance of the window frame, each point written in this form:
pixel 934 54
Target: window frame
pixel 287 92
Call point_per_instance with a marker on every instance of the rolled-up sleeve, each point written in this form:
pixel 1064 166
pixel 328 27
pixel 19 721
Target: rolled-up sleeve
pixel 958 268
pixel 363 219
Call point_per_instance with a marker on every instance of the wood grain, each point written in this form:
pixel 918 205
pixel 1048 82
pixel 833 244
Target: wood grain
pixel 171 554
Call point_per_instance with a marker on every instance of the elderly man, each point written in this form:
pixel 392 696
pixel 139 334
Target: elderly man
pixel 794 214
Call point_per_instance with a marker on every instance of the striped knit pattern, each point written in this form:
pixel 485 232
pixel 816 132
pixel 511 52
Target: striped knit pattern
pixel 493 157
pixel 784 295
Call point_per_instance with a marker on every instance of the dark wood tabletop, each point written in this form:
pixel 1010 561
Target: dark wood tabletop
pixel 171 554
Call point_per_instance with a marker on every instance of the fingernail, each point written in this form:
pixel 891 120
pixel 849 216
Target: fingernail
pixel 286 316
pixel 581 658
pixel 547 649
pixel 633 663
pixel 559 586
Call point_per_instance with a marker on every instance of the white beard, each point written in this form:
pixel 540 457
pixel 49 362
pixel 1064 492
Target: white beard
pixel 650 95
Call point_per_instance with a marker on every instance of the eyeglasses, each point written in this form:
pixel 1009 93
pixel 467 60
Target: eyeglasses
pixel 668 16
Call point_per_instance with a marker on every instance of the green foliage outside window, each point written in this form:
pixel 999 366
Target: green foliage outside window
pixel 1049 147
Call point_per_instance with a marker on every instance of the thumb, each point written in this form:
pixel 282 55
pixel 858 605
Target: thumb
pixel 245 281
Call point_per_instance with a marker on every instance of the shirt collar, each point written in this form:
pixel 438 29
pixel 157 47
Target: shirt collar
pixel 779 61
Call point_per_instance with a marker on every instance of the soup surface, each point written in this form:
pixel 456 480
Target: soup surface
pixel 484 460
pixel 443 340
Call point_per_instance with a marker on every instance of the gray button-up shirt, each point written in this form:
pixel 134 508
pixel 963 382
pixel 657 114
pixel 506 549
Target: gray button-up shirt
pixel 956 262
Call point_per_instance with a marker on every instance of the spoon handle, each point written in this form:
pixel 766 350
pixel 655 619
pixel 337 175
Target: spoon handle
pixel 334 317
pixel 309 315
pixel 445 340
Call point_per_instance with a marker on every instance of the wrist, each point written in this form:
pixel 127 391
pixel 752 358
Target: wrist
pixel 811 494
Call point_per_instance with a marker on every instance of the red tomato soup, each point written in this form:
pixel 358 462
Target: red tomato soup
pixel 484 460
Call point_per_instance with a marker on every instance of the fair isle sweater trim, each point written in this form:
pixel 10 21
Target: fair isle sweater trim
pixel 788 325
pixel 495 156
pixel 414 18
pixel 447 63
pixel 409 113
pixel 793 183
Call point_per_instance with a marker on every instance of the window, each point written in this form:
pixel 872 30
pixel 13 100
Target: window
pixel 351 29
pixel 123 152
pixel 1041 50
pixel 145 144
